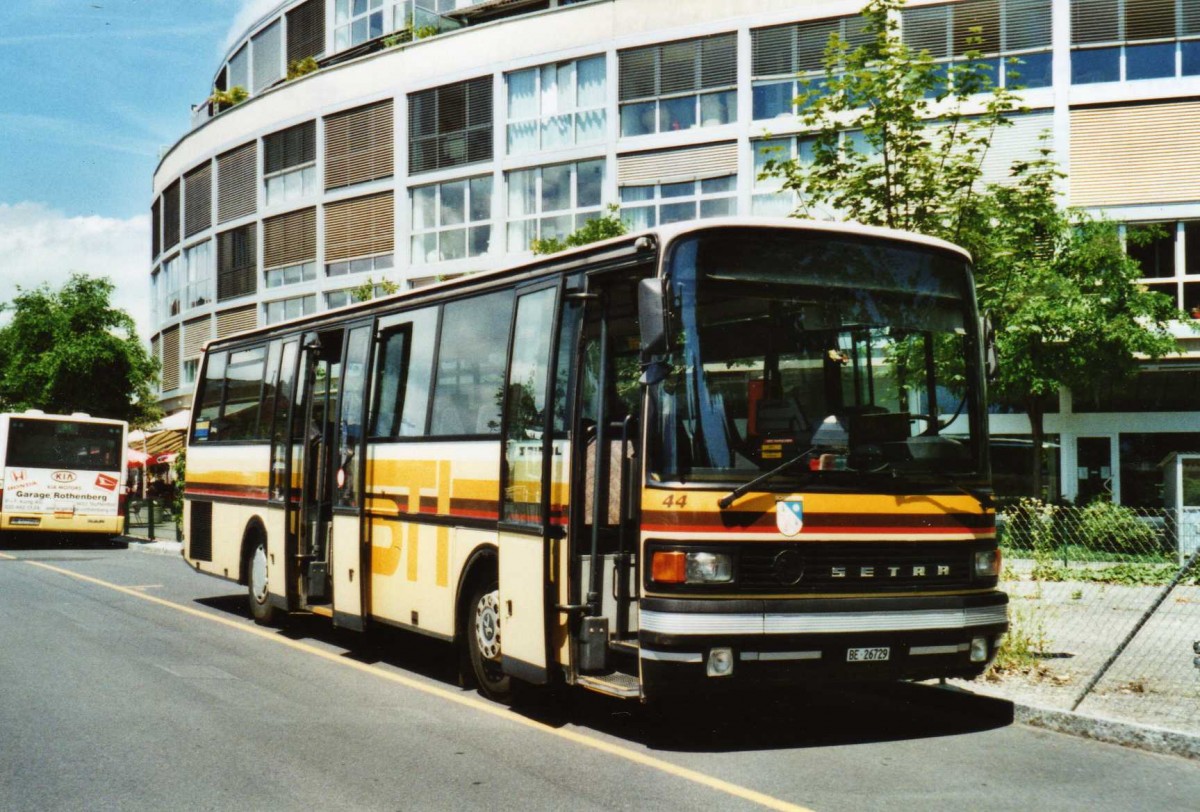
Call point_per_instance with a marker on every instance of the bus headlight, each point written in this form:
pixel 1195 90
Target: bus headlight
pixel 678 567
pixel 987 564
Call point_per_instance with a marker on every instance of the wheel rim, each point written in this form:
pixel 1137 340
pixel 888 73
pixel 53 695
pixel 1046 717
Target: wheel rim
pixel 258 574
pixel 487 625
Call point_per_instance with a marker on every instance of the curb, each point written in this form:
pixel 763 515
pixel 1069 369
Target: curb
pixel 158 547
pixel 1112 731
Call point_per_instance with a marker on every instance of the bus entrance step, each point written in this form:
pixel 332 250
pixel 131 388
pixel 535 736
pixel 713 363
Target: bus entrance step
pixel 617 684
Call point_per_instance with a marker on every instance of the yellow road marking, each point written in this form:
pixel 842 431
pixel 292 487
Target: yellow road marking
pixel 611 749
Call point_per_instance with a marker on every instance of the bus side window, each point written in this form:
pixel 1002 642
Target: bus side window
pixel 243 394
pixel 208 398
pixel 471 361
pixel 404 372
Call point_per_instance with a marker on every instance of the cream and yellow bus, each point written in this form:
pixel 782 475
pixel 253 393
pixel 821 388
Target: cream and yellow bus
pixel 63 474
pixel 726 454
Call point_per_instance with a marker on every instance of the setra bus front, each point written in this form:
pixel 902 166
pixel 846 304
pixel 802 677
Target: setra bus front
pixel 816 501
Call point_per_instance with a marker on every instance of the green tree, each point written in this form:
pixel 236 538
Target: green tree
pixel 70 350
pixel 1058 284
pixel 600 228
pixel 366 291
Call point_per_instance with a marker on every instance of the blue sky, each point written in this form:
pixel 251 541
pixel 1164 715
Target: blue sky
pixel 92 91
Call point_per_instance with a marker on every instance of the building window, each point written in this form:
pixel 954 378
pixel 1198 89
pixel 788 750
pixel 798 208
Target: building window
pixel 452 220
pixel 450 125
pixel 359 234
pixel 556 106
pixel 1013 36
pixel 1128 40
pixel 341 298
pixel 381 262
pixel 770 198
pixel 356 21
pixel 267 46
pixel 552 201
pixel 661 203
pixel 189 371
pixel 290 248
pixel 290 164
pixel 239 69
pixel 285 309
pixel 171 216
pixel 306 31
pixel 678 85
pixel 784 54
pixel 170 282
pixel 237 184
pixel 359 145
pixel 197 200
pixel 236 261
pixel 198 268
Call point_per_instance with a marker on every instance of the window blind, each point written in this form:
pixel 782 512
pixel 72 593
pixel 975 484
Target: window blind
pixel 237 190
pixel 450 125
pixel 236 320
pixel 236 262
pixel 195 334
pixel 800 47
pixel 359 227
pixel 1094 21
pixel 677 165
pixel 170 359
pixel 983 15
pixel 197 199
pixel 294 146
pixel 290 239
pixel 306 30
pixel 1027 24
pixel 267 47
pixel 239 69
pixel 170 214
pixel 359 145
pixel 678 67
pixel 156 228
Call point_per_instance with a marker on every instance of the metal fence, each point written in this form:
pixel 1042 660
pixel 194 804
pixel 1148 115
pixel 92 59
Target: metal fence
pixel 1104 612
pixel 152 519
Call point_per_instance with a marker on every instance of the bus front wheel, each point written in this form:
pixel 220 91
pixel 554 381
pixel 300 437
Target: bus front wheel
pixel 483 641
pixel 256 585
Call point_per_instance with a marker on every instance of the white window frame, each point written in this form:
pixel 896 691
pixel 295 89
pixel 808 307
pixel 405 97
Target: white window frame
pixel 698 197
pixel 551 107
pixel 285 275
pixel 430 243
pixel 277 310
pixel 360 265
pixel 344 20
pixel 200 274
pixel 539 218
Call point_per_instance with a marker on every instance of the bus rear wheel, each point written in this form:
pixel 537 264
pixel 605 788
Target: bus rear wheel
pixel 483 641
pixel 256 585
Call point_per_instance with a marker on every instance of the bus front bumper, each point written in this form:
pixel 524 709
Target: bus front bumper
pixel 712 644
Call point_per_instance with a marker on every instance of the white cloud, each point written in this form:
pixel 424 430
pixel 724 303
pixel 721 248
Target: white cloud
pixel 41 245
pixel 247 15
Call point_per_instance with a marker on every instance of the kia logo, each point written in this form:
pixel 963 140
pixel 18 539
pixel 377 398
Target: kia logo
pixel 63 476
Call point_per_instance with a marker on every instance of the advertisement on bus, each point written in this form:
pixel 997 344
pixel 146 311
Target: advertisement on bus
pixel 47 490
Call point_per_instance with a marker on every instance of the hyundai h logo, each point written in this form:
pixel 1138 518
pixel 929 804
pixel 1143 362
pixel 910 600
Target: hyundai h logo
pixel 882 573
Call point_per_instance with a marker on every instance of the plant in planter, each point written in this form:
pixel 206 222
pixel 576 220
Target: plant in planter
pixel 224 99
pixel 301 67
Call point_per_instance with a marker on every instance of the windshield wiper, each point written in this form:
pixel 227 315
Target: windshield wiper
pixel 738 492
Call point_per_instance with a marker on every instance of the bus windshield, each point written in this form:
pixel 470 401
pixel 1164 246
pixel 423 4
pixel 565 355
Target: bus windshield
pixel 63 444
pixel 845 355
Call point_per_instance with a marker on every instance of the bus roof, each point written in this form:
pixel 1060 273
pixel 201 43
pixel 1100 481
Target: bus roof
pixel 625 245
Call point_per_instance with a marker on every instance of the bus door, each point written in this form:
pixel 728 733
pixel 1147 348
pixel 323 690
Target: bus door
pixel 313 474
pixel 527 532
pixel 348 557
pixel 606 468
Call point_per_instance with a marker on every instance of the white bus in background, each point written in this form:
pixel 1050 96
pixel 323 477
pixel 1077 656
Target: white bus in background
pixel 62 473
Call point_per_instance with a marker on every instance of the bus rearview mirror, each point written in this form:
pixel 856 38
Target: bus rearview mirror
pixel 652 317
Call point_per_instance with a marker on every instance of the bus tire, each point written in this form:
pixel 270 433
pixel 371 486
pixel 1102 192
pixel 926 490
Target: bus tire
pixel 483 640
pixel 261 609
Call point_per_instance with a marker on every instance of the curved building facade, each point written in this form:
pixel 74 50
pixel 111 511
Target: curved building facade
pixel 409 141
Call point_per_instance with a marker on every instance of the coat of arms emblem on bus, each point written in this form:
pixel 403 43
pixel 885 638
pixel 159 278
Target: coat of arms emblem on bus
pixel 789 516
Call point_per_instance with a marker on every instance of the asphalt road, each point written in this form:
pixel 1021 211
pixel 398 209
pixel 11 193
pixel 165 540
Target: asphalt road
pixel 129 682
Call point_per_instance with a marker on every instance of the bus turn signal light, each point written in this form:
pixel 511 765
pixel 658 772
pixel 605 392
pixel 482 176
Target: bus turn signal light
pixel 669 567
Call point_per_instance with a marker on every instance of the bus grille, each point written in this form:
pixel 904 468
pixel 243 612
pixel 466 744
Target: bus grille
pixel 864 567
pixel 200 532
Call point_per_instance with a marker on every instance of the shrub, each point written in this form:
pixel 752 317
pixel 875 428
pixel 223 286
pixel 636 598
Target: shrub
pixel 301 67
pixel 1111 528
